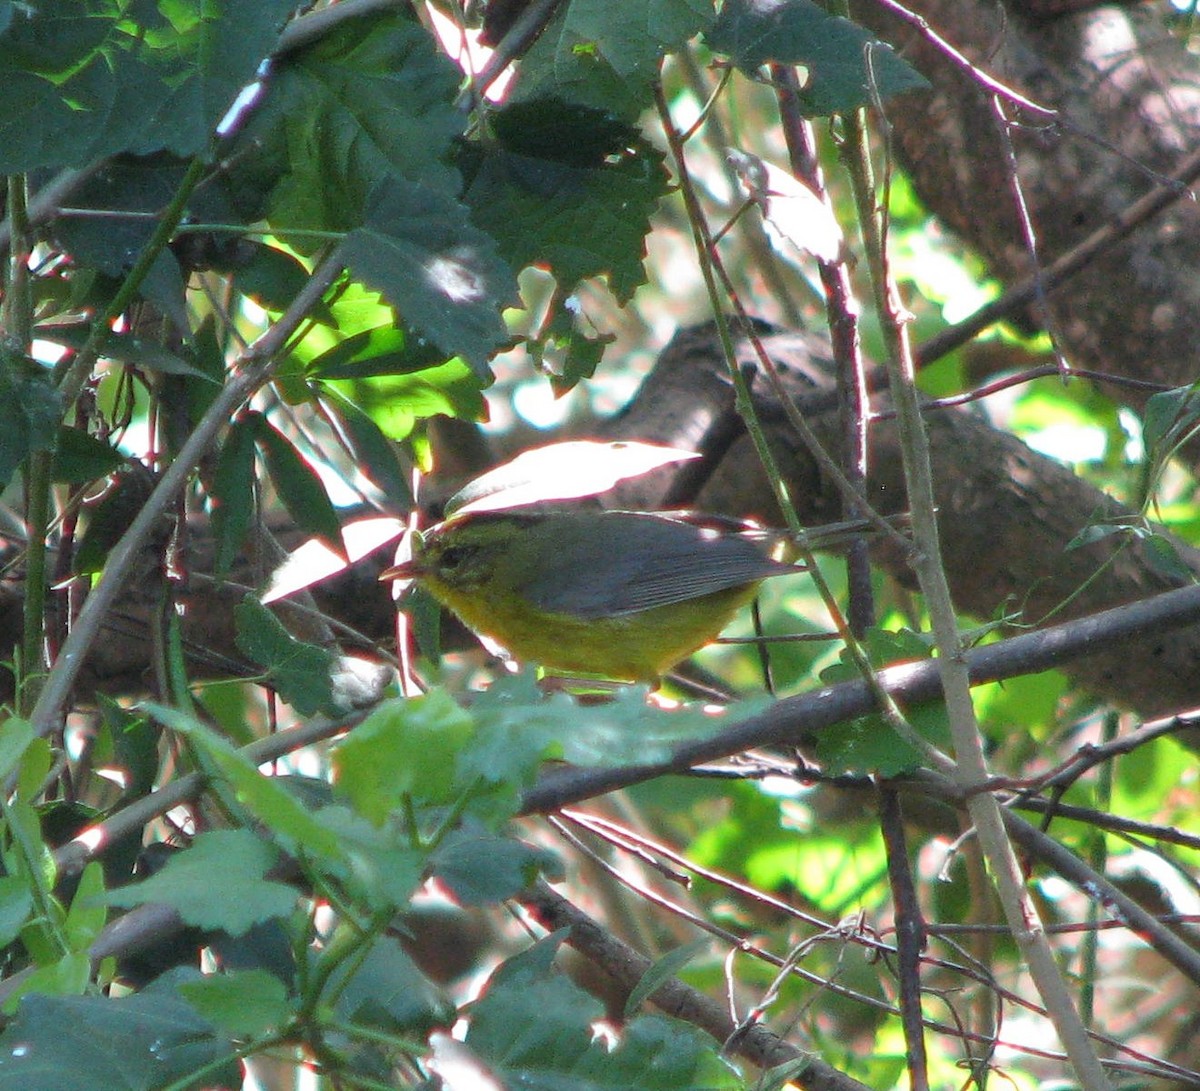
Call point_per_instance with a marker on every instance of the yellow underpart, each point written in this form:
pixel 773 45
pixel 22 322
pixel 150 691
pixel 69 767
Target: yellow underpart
pixel 637 647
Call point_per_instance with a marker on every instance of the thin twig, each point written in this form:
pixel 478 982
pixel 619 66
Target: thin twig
pixel 254 369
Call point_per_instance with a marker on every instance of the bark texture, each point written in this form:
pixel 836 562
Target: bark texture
pixel 1127 94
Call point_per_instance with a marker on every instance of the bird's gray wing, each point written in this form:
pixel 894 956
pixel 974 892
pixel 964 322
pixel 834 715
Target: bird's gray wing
pixel 635 562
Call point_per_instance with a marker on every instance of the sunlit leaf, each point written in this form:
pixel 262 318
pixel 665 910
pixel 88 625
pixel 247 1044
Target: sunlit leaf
pixel 791 211
pixel 561 471
pixel 315 561
pixel 442 274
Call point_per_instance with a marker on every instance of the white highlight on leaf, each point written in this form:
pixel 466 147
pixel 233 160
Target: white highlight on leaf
pixel 791 211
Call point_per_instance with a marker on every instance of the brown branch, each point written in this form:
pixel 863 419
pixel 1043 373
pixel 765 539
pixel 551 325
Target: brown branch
pixel 796 721
pixel 627 967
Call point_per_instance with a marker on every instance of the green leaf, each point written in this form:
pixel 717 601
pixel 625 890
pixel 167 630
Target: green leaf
pixel 662 971
pixel 87 914
pixel 265 797
pixel 127 348
pixel 16 734
pixel 371 101
pixel 384 350
pixel 134 746
pixel 566 352
pixel 30 412
pixel 232 494
pixel 444 276
pixel 397 402
pixel 298 484
pixel 217 884
pixel 832 49
pixel 300 672
pixel 67 975
pixel 407 747
pixel 577 221
pixel 272 278
pixel 1168 414
pixel 869 742
pixel 633 37
pixel 1163 556
pixel 561 471
pixel 533 1029
pixel 373 452
pixel 562 132
pixel 84 81
pixel 606 56
pixel 110 518
pixel 481 868
pixel 514 719
pixel 381 864
pixel 386 991
pixel 244 1003
pixel 80 458
pixel 16 903
pixel 130 1043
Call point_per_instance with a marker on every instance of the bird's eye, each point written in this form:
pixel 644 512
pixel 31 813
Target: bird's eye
pixel 453 557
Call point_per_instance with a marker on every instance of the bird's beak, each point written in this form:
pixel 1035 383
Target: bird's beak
pixel 409 570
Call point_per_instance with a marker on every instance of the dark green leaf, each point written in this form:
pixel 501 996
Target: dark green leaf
pixel 209 357
pixel 232 494
pixel 299 485
pixel 272 278
pixel 197 883
pixel 80 458
pixel 577 221
pixel 384 350
pixel 388 992
pixel 1167 414
pixel 443 275
pixel 382 867
pixel 110 519
pixel 143 187
pixel 1162 554
pixel 606 56
pixel 130 1043
pixel 15 737
pixel 299 671
pixel 481 868
pixel 371 101
pixel 832 49
pixel 1096 532
pixel 16 902
pixel 374 454
pixel 562 132
pixel 533 1029
pixel 30 412
pixel 134 746
pixel 633 37
pixel 82 81
pixel 662 971
pixel 514 719
pixel 869 743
